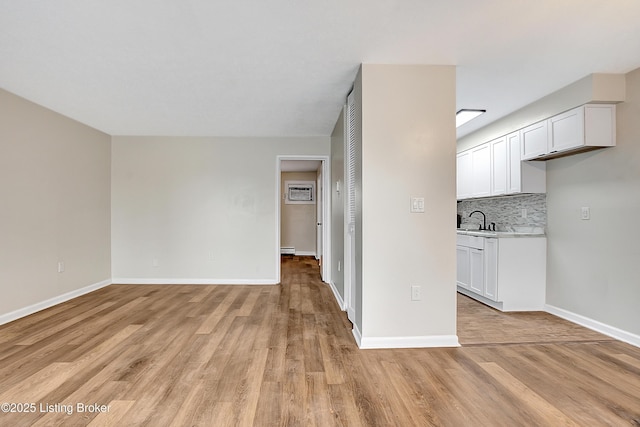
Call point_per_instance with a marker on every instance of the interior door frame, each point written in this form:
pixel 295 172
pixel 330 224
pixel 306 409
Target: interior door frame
pixel 326 212
pixel 319 217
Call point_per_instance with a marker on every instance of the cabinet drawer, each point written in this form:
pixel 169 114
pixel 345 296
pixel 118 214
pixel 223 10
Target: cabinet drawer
pixel 475 242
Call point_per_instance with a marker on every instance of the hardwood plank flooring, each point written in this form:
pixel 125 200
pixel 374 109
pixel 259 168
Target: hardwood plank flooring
pixel 479 324
pixel 284 356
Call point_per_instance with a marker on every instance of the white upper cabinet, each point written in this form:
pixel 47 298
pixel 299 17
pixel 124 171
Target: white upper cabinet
pixel 463 175
pixel 523 177
pixel 589 126
pixel 533 140
pixel 499 165
pixel 514 163
pixel 566 130
pixel 481 171
pixel 600 125
pixel 584 128
pixel 495 169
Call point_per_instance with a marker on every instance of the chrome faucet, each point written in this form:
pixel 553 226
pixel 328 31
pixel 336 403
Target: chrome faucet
pixel 484 219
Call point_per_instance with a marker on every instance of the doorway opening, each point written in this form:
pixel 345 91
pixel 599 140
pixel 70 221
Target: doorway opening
pixel 303 210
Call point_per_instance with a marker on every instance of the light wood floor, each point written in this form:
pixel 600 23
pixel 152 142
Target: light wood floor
pixel 284 355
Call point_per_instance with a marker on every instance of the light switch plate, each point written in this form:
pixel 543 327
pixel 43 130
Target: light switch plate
pixel 416 293
pixel 417 205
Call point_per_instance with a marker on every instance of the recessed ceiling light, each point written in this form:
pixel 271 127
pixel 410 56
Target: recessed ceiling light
pixel 463 116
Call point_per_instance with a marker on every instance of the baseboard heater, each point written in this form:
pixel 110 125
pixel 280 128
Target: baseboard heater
pixel 287 250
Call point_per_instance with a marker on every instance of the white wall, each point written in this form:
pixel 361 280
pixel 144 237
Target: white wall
pixel 298 221
pixel 408 149
pixel 337 206
pixel 593 269
pixel 204 208
pixel 55 206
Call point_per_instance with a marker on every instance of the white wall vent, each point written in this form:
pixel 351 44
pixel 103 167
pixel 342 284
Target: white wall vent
pixel 287 250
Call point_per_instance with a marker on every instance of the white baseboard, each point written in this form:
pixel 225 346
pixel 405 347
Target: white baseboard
pixel 351 312
pixel 409 342
pixel 172 281
pixel 34 308
pixel 477 297
pixel 306 253
pixel 338 297
pixel 595 325
pixel 357 335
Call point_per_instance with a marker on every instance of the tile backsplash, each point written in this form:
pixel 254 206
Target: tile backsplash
pixel 506 211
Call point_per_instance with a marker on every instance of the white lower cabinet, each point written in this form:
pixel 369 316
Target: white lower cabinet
pixel 463 269
pixel 491 269
pixel 476 262
pixel 470 262
pixel 507 273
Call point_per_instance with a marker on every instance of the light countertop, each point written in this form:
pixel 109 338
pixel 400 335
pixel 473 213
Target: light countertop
pixel 501 234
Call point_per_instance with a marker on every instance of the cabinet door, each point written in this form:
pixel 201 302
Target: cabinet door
pixel 499 166
pixel 463 275
pixel 491 269
pixel 600 125
pixel 476 262
pixel 533 141
pixel 566 131
pixel 463 175
pixel 514 163
pixel 481 171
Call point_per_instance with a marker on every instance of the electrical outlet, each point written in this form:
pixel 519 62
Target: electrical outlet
pixel 585 213
pixel 155 262
pixel 339 265
pixel 60 266
pixel 416 293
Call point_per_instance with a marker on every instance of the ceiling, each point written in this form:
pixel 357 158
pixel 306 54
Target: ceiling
pixel 284 67
pixel 300 165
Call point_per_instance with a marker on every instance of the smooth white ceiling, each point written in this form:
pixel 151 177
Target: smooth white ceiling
pixel 284 67
pixel 300 165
